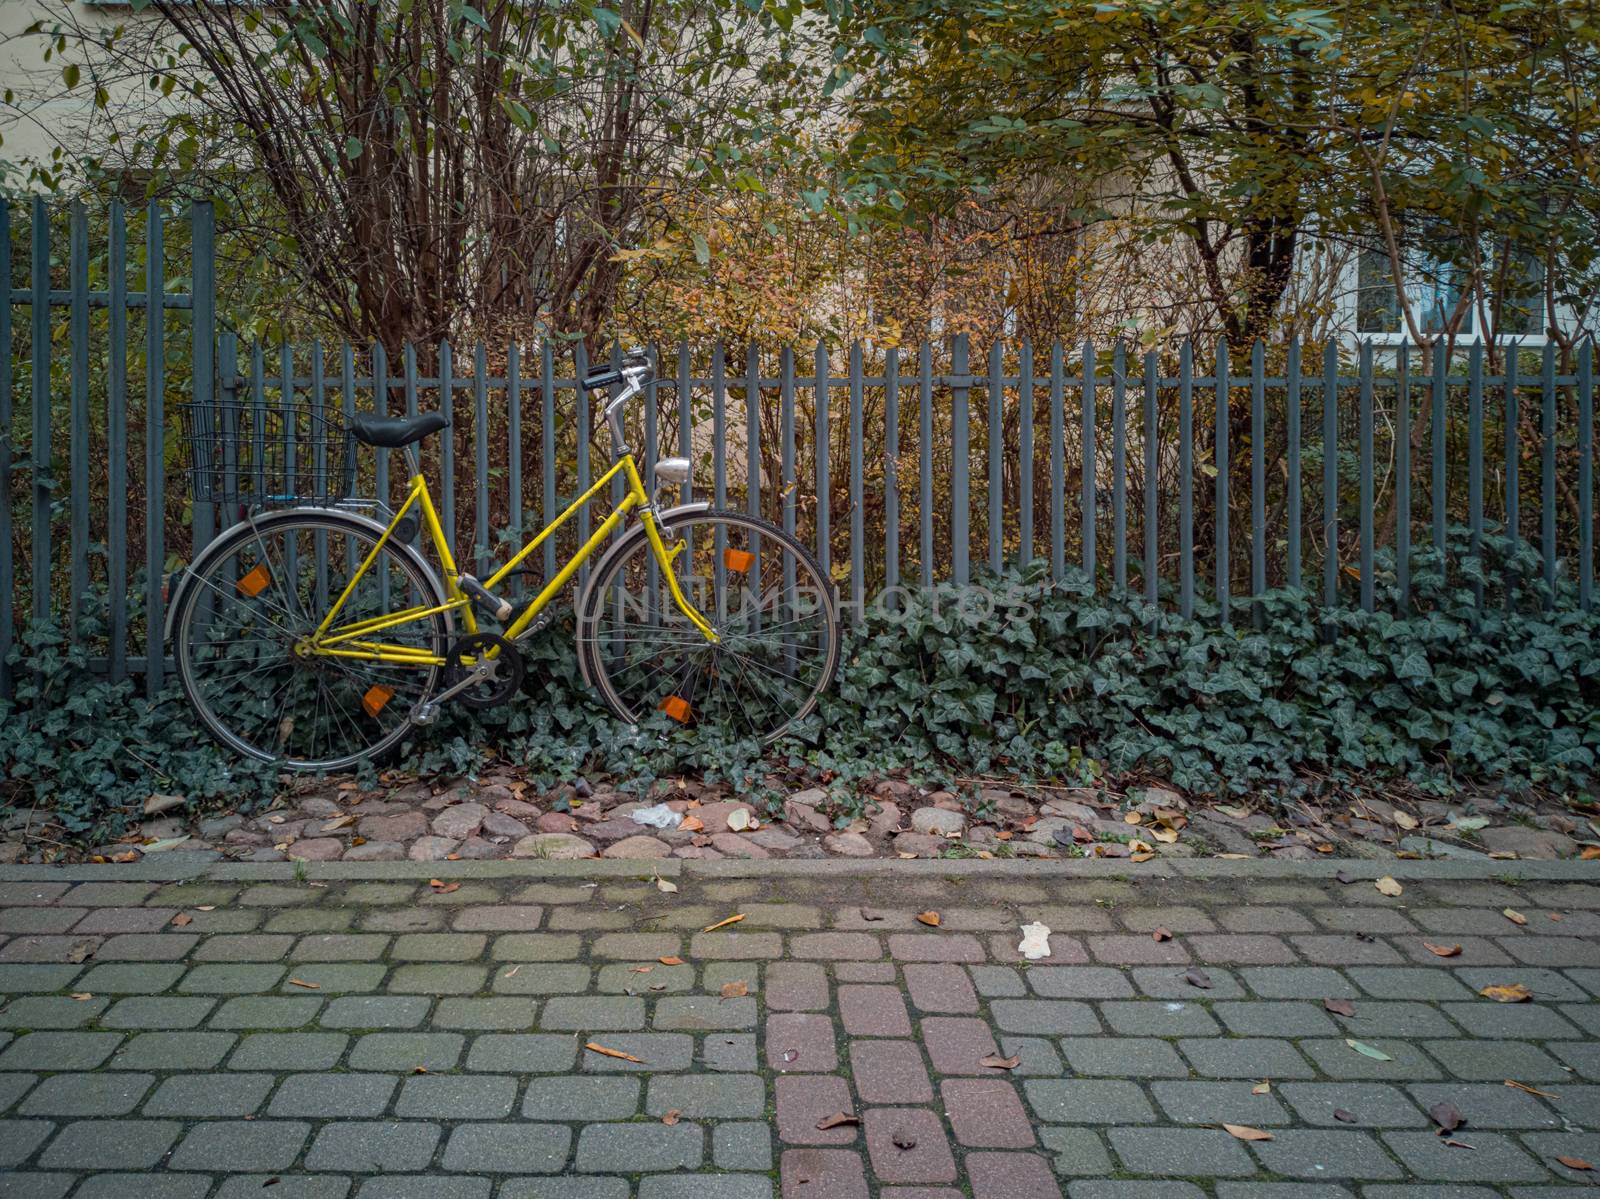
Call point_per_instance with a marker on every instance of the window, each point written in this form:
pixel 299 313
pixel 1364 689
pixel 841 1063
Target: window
pixel 1432 287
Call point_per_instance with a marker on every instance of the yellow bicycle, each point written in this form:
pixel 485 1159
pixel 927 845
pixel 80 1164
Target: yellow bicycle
pixel 317 635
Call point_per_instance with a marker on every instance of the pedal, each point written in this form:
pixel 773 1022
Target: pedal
pixel 496 607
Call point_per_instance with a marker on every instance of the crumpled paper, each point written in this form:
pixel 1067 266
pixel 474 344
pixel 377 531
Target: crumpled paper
pixel 659 816
pixel 1035 941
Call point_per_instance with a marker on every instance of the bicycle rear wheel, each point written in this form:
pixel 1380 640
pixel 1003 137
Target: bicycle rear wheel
pixel 773 610
pixel 255 595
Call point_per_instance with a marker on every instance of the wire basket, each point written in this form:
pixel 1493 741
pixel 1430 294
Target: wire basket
pixel 263 455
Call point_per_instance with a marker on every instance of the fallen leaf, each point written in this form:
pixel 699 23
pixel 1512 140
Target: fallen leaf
pixel 1245 1133
pixel 436 882
pixel 80 996
pixel 670 961
pixel 1442 951
pixel 931 919
pixel 735 990
pixel 358 840
pixel 419 1069
pixel 206 907
pixel 300 982
pixel 1522 1086
pixel 1388 886
pixel 1458 1144
pixel 511 973
pixel 739 819
pixel 339 822
pixel 1556 916
pixel 1507 993
pixel 1405 820
pixel 1262 1088
pixel 836 1120
pixel 1344 877
pixel 1161 934
pixel 1133 818
pixel 1339 1007
pixel 81 951
pixel 995 1062
pixel 1343 1116
pixel 665 887
pixel 640 969
pixel 1164 835
pixel 671 1117
pixel 1574 1163
pixel 447 888
pixel 1141 856
pixel 1197 977
pixel 593 1047
pixel 1589 853
pixel 789 1055
pixel 903 1139
pixel 1366 1050
pixel 691 824
pixel 182 918
pixel 711 928
pixel 870 916
pixel 1514 916
pixel 1447 1115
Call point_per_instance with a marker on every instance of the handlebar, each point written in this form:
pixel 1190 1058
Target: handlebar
pixel 635 370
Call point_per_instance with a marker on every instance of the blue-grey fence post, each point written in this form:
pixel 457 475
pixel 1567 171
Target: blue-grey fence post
pixel 1152 478
pixel 203 328
pixel 858 535
pixel 891 473
pixel 319 450
pixel 1364 432
pixel 1292 486
pixel 380 406
pixel 155 554
pixel 925 460
pixel 78 449
pixel 116 437
pixel 1086 502
pixel 820 461
pixel 7 414
pixel 1402 475
pixel 1119 468
pixel 789 485
pixel 514 499
pixel 1220 435
pixel 719 458
pixel 752 431
pixel 1330 474
pixel 580 400
pixel 39 454
pixel 480 445
pixel 447 450
pixel 1547 473
pixel 1025 441
pixel 1475 464
pixel 1058 461
pixel 1586 474
pixel 1258 480
pixel 1436 434
pixel 960 497
pixel 1513 439
pixel 1186 480
pixel 547 446
pixel 685 394
pixel 994 430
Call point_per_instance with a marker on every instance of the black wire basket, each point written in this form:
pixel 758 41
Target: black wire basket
pixel 262 455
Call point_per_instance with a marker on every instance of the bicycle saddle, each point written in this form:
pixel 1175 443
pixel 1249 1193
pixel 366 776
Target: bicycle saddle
pixel 392 432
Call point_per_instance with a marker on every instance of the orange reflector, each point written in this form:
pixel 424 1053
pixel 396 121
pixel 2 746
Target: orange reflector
pixel 738 561
pixel 676 707
pixel 254 583
pixel 373 701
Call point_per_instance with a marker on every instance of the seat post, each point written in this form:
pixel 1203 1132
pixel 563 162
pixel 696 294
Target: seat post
pixel 412 465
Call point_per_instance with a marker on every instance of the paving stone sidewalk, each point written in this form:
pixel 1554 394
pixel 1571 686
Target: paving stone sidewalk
pixel 312 1039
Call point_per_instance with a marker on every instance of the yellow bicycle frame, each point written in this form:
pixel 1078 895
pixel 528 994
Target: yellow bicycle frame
pixel 354 640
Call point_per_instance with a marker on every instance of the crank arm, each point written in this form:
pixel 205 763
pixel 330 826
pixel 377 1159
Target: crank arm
pixel 428 710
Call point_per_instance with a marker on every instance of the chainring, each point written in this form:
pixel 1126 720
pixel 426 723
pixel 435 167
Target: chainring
pixel 506 681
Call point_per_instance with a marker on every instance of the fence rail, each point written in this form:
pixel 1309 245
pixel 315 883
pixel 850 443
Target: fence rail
pixel 902 467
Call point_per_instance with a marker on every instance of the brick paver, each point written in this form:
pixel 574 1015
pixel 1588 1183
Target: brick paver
pixel 385 1040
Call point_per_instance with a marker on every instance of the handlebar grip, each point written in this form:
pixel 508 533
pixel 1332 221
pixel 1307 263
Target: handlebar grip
pixel 603 379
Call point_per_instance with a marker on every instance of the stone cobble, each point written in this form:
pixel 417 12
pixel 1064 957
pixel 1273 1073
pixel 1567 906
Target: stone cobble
pixel 600 1039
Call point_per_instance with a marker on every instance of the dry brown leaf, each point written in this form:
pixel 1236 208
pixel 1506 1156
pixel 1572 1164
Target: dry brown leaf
pixel 300 982
pixel 1574 1163
pixel 1514 916
pixel 182 918
pixel 1262 1088
pixel 1004 834
pixel 1197 977
pixel 594 1047
pixel 1166 836
pixel 1344 1116
pixel 1245 1133
pixel 1589 853
pixel 1387 886
pixel 995 1062
pixel 419 1069
pixel 1458 1144
pixel 640 969
pixel 1339 1007
pixel 671 1117
pixel 1446 1115
pixel 735 990
pixel 1507 993
pixel 339 822
pixel 511 973
pixel 1405 820
pixel 1161 934
pixel 80 996
pixel 931 919
pixel 1141 856
pixel 206 907
pixel 711 928
pixel 836 1120
pixel 1442 951
pixel 436 882
pixel 1522 1086
pixel 691 824
pixel 670 961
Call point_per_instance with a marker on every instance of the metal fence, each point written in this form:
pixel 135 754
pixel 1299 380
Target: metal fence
pixel 902 467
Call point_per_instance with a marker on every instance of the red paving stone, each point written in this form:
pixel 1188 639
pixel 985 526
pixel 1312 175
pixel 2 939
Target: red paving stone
pixel 957 1044
pixel 1010 1176
pixel 822 1174
pixel 941 988
pixel 873 1011
pixel 907 1144
pixel 889 1072
pixel 986 1113
pixel 805 1100
pixel 798 1043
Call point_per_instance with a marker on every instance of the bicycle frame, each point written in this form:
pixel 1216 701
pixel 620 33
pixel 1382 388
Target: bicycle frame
pixel 353 640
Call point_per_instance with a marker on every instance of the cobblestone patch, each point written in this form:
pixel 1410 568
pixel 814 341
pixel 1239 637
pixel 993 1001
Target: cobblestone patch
pixel 599 1039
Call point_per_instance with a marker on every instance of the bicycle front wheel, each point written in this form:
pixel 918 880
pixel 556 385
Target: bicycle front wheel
pixel 773 611
pixel 245 613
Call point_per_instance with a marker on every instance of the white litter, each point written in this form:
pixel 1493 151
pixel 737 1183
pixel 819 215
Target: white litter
pixel 1035 941
pixel 659 816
